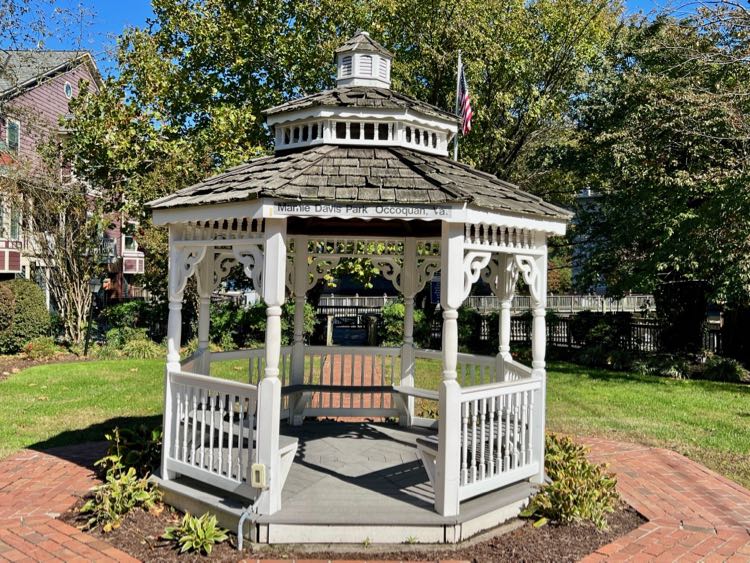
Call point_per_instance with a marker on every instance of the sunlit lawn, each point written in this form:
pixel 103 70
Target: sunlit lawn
pixel 59 404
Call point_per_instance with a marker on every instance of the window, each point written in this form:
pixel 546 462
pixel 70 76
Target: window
pixel 408 134
pixel 128 237
pixel 13 135
pixel 296 135
pixel 305 133
pixel 434 141
pixel 68 89
pixel 369 131
pixel 383 131
pixel 340 130
pixel 314 134
pixel 417 136
pixel 365 65
pixel 346 66
pixel 354 130
pixel 15 222
pixel 425 138
pixel 286 136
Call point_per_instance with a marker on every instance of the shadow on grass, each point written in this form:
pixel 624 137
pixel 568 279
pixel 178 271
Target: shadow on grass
pixel 86 445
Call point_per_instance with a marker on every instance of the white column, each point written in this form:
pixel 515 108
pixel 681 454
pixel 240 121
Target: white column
pixel 506 283
pixel 300 290
pixel 205 288
pixel 538 346
pixel 408 287
pixel 449 426
pixel 269 389
pixel 174 334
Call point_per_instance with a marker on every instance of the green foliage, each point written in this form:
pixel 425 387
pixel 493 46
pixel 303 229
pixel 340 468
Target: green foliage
pixel 718 368
pixel 674 366
pixel 127 342
pixel 139 448
pixel 683 307
pixel 42 347
pixel 6 311
pixel 233 326
pixel 121 492
pixel 142 349
pixel 664 148
pixel 198 534
pixel 579 490
pixel 28 313
pixel 392 325
pixel 132 314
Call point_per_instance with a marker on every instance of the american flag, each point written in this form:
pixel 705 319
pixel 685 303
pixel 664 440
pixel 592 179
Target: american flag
pixel 464 103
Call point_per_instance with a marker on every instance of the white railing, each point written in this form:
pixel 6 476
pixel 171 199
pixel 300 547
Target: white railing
pixel 256 365
pixel 363 371
pixel 471 368
pixel 514 371
pixel 212 422
pixel 501 438
pixel 566 303
pixel 364 301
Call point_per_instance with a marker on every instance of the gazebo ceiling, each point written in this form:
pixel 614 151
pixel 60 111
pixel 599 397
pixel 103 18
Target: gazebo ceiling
pixel 347 174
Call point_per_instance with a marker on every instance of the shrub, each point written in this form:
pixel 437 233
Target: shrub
pixel 139 448
pixel 8 304
pixel 392 333
pixel 29 317
pixel 579 490
pixel 718 368
pixel 133 314
pixel 142 349
pixel 121 492
pixel 41 347
pixel 196 533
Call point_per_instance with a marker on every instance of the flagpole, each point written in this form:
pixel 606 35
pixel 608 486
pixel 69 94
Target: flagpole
pixel 458 90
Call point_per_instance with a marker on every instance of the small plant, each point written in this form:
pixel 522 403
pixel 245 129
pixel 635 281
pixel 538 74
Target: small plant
pixel 42 347
pixel 367 542
pixel 139 448
pixel 411 540
pixel 121 492
pixel 579 491
pixel 196 533
pixel 142 349
pixel 718 368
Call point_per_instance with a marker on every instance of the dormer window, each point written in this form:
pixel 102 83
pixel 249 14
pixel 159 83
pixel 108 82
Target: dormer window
pixel 346 66
pixel 365 65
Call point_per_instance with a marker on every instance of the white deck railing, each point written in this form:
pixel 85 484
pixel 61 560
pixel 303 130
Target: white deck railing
pixel 500 429
pixel 362 372
pixel 211 434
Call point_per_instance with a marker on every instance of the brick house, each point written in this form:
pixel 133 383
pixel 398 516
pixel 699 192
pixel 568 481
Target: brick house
pixel 35 89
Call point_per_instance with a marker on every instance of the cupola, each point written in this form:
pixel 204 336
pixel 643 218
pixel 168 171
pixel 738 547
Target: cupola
pixel 362 61
pixel 362 110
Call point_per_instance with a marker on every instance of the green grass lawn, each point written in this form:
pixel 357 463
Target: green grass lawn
pixel 58 404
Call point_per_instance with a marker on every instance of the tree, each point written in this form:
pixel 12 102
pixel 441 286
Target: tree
pixel 666 150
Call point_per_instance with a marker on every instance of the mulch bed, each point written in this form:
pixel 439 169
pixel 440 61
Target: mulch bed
pixel 10 365
pixel 140 536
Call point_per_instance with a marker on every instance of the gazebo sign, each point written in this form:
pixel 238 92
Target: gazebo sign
pixel 358 210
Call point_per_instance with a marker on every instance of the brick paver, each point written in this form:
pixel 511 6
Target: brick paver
pixel 34 488
pixel 694 514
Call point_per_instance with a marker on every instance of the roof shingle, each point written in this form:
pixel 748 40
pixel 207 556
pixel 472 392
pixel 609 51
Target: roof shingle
pixel 367 175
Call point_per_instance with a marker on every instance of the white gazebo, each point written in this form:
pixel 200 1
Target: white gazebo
pixel 359 171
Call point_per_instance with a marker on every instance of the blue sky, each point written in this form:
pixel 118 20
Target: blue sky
pixel 110 17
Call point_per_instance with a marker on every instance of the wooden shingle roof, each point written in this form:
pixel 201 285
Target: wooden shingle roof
pixel 361 97
pixel 361 41
pixel 365 175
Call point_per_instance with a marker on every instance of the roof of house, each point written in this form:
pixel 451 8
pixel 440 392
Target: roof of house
pixel 361 41
pixel 20 69
pixel 364 175
pixel 361 97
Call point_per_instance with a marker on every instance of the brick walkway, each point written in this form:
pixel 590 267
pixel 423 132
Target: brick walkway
pixel 694 514
pixel 34 488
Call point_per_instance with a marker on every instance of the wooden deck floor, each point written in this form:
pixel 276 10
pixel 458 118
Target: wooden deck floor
pixel 365 473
